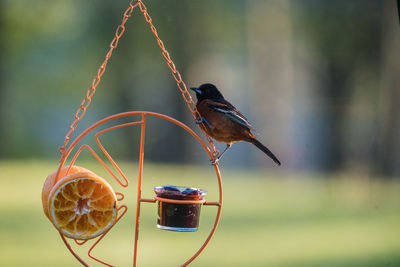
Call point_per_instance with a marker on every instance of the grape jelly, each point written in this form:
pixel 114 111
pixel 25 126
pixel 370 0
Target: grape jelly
pixel 181 217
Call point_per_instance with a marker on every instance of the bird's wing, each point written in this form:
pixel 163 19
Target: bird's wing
pixel 231 112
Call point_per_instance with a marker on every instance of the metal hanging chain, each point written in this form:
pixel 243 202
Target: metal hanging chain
pixel 175 73
pixel 92 89
pixel 177 76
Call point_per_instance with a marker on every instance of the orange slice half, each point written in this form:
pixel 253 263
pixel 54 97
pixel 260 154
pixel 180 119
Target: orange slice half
pixel 81 205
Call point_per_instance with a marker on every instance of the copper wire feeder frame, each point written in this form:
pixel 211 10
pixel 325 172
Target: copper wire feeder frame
pixel 66 151
pixel 124 181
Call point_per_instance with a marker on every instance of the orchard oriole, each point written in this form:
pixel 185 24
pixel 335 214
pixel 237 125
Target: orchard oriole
pixel 223 121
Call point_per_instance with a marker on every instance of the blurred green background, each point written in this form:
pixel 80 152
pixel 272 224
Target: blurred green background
pixel 319 80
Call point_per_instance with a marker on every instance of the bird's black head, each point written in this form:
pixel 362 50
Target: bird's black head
pixel 207 91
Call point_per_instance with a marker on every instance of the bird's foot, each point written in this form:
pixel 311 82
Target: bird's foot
pixel 219 155
pixel 202 120
pixel 215 160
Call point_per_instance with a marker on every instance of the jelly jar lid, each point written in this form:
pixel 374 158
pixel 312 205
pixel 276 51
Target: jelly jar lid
pixel 179 192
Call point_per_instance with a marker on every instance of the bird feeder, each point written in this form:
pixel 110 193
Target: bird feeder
pixel 178 207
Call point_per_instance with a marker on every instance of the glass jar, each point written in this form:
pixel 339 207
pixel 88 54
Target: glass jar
pixel 179 207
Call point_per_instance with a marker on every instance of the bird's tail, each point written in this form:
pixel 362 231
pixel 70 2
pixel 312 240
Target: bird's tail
pixel 265 150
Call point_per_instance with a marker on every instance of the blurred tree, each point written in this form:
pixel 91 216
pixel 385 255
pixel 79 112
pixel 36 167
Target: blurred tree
pixel 388 122
pixel 270 82
pixel 3 151
pixel 179 15
pixel 398 8
pixel 346 37
pixel 119 87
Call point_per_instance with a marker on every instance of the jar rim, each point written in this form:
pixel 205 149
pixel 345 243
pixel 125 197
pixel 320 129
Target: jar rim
pixel 179 192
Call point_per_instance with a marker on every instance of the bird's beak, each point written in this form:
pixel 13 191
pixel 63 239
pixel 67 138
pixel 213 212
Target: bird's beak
pixel 196 89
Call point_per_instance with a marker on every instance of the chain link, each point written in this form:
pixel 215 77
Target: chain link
pixel 174 72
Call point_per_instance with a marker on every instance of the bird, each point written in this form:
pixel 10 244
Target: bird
pixel 223 122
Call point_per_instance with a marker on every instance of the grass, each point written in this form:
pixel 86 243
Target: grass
pixel 268 219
